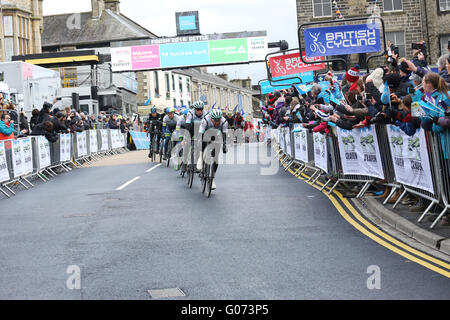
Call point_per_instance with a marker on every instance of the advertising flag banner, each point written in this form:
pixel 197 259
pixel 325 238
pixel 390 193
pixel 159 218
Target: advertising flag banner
pixel 341 40
pixel 320 151
pixel 360 152
pixel 410 158
pixel 4 173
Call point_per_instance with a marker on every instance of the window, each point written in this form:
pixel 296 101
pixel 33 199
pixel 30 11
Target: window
pixel 174 102
pixel 167 82
pixel 173 83
pixel 444 43
pixel 8 25
pixel 398 39
pixel 392 5
pixel 9 48
pixel 444 5
pixel 188 86
pixel 155 73
pixel 181 84
pixel 322 8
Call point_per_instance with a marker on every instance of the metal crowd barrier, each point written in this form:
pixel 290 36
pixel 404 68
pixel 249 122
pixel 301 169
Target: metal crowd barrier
pixel 438 154
pixel 33 156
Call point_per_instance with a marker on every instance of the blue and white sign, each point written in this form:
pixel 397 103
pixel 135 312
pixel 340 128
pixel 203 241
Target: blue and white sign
pixel 340 40
pixel 267 86
pixel 187 23
pixel 305 76
pixel 141 140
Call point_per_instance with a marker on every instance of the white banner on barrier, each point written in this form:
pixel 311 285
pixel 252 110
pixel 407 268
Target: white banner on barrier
pixel 320 151
pixel 93 143
pixel 104 136
pixel 44 153
pixel 410 158
pixel 81 144
pixel 301 143
pixel 4 173
pixel 268 134
pixel 65 147
pixel 27 156
pixel 287 138
pixel 360 152
pixel 281 138
pixel 17 158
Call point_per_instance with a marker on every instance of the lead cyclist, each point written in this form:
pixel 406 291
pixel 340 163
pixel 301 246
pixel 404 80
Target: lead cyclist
pixel 212 126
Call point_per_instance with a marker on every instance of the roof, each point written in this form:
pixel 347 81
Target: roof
pixel 209 78
pixel 109 27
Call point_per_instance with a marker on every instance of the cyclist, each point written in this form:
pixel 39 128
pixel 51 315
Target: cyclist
pixel 194 119
pixel 238 124
pixel 154 128
pixel 168 127
pixel 181 124
pixel 213 121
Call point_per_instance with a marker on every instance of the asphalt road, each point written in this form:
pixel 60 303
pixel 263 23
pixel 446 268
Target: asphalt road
pixel 257 237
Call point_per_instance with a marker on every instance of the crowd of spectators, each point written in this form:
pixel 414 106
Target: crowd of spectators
pixel 389 94
pixel 50 122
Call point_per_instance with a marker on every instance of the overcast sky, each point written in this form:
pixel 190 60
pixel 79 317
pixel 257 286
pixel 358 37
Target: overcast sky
pixel 278 18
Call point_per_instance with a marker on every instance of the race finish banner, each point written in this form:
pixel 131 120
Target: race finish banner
pixel 410 158
pixel 360 152
pixel 320 151
pixel 291 64
pixel 4 173
pixel 203 50
pixel 300 143
pixel 342 40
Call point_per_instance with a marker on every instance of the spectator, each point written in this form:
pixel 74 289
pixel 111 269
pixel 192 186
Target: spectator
pixel 112 123
pixel 44 114
pixel 45 129
pixel 59 123
pixel 34 118
pixel 6 127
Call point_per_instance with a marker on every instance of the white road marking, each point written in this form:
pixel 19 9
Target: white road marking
pixel 151 169
pixel 127 184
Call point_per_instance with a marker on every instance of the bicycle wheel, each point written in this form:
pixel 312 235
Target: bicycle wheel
pixel 210 180
pixel 169 153
pixel 161 149
pixel 205 177
pixel 191 167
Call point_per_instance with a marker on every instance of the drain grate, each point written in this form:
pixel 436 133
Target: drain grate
pixel 166 293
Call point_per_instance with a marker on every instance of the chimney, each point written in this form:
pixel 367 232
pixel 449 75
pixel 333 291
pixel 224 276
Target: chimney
pixel 113 5
pixel 97 8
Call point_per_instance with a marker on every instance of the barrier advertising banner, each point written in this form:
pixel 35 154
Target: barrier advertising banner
pixel 81 144
pixel 301 143
pixel 44 153
pixel 360 152
pixel 4 173
pixel 17 158
pixel 320 151
pixel 287 137
pixel 65 147
pixel 104 139
pixel 410 158
pixel 27 155
pixel 93 143
pixel 281 139
pixel 140 140
pixel 291 64
pixel 340 40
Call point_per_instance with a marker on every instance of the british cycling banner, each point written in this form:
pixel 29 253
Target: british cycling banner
pixel 291 64
pixel 141 140
pixel 341 40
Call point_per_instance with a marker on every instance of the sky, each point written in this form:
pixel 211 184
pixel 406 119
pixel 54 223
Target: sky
pixel 280 21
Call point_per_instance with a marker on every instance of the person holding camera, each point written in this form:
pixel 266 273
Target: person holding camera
pixel 419 54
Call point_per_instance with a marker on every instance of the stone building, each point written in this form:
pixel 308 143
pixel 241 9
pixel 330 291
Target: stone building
pixel 407 21
pixel 21 30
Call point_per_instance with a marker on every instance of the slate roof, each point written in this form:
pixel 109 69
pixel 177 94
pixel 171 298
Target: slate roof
pixel 109 27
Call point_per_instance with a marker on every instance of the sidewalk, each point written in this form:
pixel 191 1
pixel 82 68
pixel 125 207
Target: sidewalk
pixel 403 220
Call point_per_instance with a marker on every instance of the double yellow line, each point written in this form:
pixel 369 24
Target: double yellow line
pixel 351 214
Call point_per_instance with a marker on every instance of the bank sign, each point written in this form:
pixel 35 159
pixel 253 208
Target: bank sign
pixel 340 40
pixel 204 50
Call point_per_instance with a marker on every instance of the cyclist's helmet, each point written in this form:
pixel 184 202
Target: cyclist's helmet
pixel 185 111
pixel 198 105
pixel 171 110
pixel 154 110
pixel 216 114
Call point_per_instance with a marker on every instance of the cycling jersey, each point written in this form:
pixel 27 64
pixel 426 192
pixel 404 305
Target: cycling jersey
pixel 170 125
pixel 154 123
pixel 238 122
pixel 207 124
